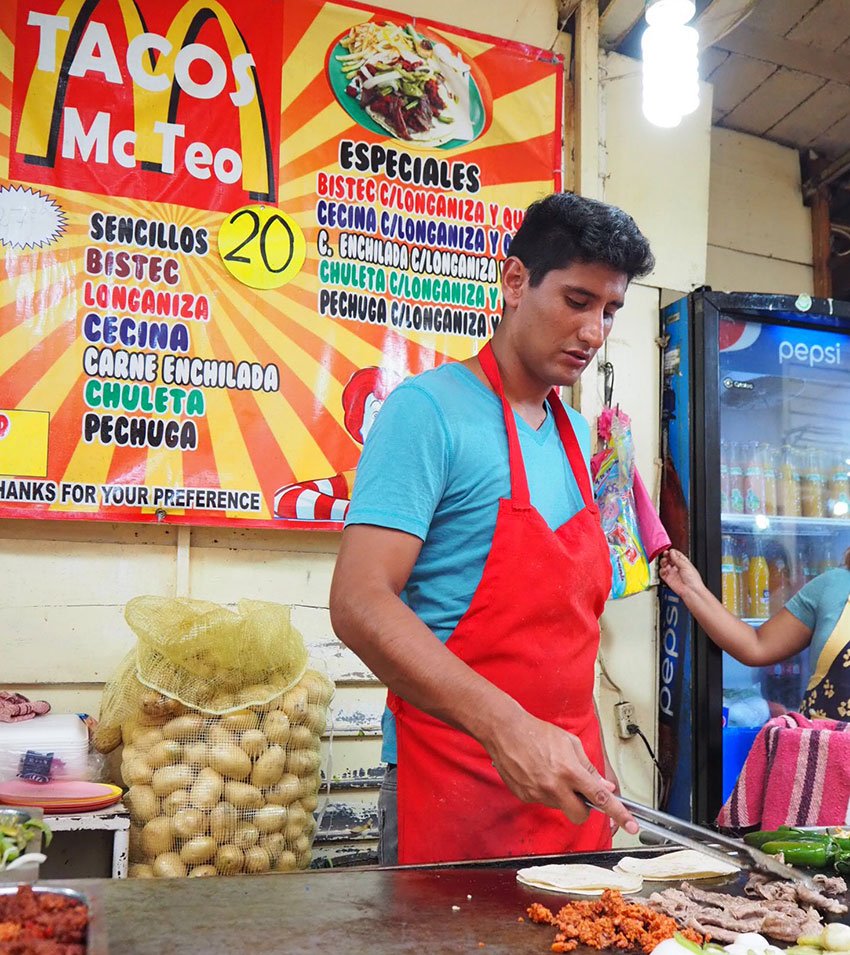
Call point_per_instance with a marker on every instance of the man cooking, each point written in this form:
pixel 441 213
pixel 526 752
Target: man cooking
pixel 473 569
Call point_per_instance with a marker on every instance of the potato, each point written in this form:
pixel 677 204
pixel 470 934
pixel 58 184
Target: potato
pixel 240 720
pixel 140 871
pixel 316 719
pixel 129 752
pixel 146 738
pixel 301 762
pixel 269 767
pixel 157 836
pixel 253 742
pixel 207 789
pixel 136 771
pixel 229 760
pixel 157 706
pixel 187 727
pixel 198 849
pixel 187 823
pixel 223 822
pixel 274 843
pixel 295 703
pixel 276 727
pixel 287 790
pixel 174 802
pixel 164 753
pixel 257 694
pixel 302 737
pixel 243 795
pixel 106 738
pixel 202 872
pixel 220 734
pixel 196 754
pixel 309 803
pixel 257 859
pixel 286 862
pixel 302 844
pixel 245 835
pixel 168 866
pixel 229 860
pixel 271 818
pixel 318 687
pixel 303 859
pixel 142 803
pixel 169 778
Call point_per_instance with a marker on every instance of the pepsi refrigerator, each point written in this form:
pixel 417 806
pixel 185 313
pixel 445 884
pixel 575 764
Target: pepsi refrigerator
pixel 755 488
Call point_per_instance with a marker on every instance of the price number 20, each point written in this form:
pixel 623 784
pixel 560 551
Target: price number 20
pixel 261 246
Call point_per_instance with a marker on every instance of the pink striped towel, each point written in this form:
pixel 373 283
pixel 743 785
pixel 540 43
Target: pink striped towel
pixel 796 774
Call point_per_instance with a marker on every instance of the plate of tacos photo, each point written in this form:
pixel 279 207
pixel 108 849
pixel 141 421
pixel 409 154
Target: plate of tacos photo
pixel 406 81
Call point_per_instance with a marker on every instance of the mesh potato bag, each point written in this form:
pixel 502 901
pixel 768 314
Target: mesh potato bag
pixel 221 723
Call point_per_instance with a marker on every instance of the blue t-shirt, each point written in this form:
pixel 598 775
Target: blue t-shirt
pixel 435 464
pixel 819 604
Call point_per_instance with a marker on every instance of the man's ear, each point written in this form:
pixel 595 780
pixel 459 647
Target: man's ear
pixel 514 280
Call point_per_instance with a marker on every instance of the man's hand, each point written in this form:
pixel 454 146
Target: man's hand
pixel 540 762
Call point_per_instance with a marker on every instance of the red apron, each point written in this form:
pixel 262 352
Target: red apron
pixel 532 629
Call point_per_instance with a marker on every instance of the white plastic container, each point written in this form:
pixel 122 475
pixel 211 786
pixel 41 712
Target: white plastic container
pixel 64 735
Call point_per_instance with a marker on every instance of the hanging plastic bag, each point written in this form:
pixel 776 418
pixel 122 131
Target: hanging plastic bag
pixel 613 472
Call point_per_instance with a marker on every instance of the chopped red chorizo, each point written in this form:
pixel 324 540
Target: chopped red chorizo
pixel 42 923
pixel 609 922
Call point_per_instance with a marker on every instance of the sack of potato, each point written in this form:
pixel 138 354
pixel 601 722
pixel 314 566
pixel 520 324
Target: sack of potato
pixel 220 721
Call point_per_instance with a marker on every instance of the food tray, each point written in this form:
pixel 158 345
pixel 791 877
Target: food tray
pixel 96 943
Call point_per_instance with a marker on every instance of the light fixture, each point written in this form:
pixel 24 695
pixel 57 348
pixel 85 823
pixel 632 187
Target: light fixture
pixel 670 62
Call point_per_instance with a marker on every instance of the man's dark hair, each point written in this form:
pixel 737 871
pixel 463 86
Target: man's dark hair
pixel 564 228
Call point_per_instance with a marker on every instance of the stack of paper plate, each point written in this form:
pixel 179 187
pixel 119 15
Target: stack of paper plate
pixel 59 796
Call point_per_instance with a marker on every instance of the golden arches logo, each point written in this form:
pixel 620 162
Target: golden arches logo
pixel 157 101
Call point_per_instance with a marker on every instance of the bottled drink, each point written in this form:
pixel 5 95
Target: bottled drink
pixel 788 502
pixel 724 477
pixel 736 479
pixel 779 577
pixel 838 492
pixel 730 578
pixel 743 576
pixel 827 560
pixel 804 570
pixel 753 480
pixel 768 464
pixel 812 485
pixel 758 584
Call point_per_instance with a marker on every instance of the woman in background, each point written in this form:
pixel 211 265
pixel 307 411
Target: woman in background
pixel 817 616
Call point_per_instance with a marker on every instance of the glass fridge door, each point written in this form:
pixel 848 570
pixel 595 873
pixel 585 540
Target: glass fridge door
pixel 785 499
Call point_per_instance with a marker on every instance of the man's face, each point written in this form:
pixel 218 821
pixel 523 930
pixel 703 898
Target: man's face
pixel 559 325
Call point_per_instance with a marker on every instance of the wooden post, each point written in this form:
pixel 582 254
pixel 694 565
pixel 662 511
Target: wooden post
pixel 821 243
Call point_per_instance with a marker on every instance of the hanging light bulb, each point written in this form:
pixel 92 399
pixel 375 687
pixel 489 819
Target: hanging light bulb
pixel 670 62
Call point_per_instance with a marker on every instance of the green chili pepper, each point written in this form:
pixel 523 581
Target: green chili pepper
pixel 842 862
pixel 818 855
pixel 787 834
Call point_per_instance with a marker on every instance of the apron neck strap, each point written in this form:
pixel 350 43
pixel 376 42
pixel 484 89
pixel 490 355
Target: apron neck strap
pixel 519 481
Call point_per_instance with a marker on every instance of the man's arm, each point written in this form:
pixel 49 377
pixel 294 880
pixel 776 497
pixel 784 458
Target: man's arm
pixel 539 762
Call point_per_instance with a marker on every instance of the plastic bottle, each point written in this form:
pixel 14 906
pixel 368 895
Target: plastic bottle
pixel 779 577
pixel 753 480
pixel 788 502
pixel 758 584
pixel 838 491
pixel 736 479
pixel 826 559
pixel 724 477
pixel 768 464
pixel 803 569
pixel 812 485
pixel 743 576
pixel 730 578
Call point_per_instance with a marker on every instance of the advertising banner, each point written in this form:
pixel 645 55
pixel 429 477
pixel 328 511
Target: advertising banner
pixel 229 228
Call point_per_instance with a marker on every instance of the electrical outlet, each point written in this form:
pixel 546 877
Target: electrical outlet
pixel 624 713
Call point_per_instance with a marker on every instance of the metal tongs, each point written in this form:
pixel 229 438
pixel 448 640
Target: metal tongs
pixel 692 836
